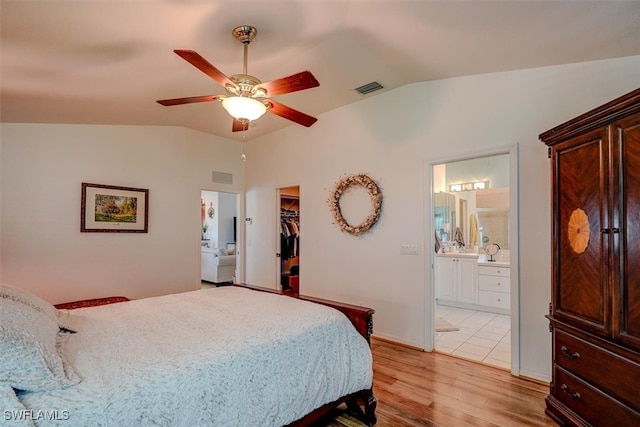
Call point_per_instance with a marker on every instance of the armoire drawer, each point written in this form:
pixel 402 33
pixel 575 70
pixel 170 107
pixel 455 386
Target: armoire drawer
pixel 494 299
pixel 493 283
pixel 609 372
pixel 592 404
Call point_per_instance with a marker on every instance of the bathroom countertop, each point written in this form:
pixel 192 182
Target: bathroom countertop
pixel 482 259
pixel 458 255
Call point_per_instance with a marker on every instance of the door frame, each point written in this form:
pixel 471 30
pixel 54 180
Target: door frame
pixel 514 232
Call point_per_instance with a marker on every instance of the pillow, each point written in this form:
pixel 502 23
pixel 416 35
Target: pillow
pixel 25 297
pixel 31 357
pixel 29 299
pixel 220 252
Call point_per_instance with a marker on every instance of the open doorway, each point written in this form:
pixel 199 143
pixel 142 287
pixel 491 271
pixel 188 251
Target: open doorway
pixel 218 240
pixel 289 239
pixel 474 275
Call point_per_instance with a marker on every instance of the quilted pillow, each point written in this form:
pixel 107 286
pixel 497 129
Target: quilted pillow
pixel 31 300
pixel 30 349
pixel 27 298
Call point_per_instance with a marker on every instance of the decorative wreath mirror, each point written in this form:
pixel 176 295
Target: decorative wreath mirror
pixel 375 194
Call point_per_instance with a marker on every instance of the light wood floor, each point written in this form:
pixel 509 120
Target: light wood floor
pixel 415 388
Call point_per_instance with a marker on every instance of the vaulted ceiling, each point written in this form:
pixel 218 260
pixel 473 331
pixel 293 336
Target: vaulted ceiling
pixel 107 62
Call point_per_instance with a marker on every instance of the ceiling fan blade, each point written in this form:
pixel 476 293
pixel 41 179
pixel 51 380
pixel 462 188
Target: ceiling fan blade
pixel 239 126
pixel 189 100
pixel 294 83
pixel 290 114
pixel 203 65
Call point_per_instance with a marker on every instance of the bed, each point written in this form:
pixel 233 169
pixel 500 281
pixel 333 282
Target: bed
pixel 227 356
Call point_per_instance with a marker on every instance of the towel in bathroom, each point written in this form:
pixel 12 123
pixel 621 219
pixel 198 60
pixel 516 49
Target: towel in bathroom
pixel 438 243
pixel 473 231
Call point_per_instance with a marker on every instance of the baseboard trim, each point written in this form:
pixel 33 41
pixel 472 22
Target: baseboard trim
pixel 395 342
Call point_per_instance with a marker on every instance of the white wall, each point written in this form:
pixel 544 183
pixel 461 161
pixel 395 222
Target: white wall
pixel 42 169
pixel 392 137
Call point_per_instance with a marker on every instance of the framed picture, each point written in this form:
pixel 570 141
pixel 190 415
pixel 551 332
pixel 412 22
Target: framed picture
pixel 112 209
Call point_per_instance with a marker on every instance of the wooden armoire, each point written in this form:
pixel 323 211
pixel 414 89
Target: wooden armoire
pixel 595 309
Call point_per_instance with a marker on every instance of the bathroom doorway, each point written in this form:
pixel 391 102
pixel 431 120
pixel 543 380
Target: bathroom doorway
pixel 472 224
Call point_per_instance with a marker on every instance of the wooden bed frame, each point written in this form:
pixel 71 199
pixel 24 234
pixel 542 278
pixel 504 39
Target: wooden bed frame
pixel 361 403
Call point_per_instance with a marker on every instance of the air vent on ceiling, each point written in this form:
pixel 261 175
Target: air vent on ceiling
pixel 222 177
pixel 368 88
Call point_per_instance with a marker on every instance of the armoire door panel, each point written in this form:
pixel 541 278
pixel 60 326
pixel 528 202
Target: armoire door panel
pixel 582 273
pixel 627 294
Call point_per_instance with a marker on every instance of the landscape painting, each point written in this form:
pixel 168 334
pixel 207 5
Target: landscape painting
pixel 109 208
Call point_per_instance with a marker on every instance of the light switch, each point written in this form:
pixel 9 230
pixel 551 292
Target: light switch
pixel 409 249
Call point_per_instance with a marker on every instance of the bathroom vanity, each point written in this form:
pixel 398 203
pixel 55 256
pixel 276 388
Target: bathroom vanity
pixel 471 281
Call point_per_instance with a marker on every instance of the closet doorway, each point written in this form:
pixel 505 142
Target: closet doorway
pixel 473 227
pixel 288 252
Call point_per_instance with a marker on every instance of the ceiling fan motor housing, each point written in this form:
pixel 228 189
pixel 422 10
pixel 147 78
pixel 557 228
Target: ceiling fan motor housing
pixel 245 33
pixel 246 86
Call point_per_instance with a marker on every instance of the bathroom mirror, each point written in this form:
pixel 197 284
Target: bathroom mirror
pixel 493 226
pixel 444 213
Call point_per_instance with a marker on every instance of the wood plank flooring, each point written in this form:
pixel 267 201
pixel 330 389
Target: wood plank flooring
pixel 415 388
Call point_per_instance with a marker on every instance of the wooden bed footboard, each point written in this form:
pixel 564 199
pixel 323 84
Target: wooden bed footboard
pixel 362 319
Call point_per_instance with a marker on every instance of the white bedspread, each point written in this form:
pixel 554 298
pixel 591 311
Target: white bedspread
pixel 219 357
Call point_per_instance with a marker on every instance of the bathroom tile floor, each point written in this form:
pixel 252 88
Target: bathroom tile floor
pixel 483 337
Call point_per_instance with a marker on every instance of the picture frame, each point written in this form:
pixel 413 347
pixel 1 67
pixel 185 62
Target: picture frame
pixel 114 209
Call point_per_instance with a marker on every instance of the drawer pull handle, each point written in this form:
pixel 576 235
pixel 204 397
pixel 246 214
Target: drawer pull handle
pixel 575 395
pixel 565 351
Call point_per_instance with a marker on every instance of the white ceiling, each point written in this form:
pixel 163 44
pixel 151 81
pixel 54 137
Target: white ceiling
pixel 106 62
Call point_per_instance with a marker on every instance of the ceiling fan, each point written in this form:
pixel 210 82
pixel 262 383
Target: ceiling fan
pixel 247 97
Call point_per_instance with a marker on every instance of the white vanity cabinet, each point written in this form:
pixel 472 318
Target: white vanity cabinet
pixel 470 281
pixel 494 287
pixel 456 278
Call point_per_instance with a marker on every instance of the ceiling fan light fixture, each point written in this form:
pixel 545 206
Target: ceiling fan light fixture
pixel 243 108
